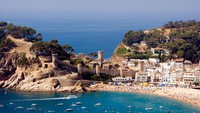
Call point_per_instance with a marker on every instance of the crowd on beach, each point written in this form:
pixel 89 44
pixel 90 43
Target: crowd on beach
pixel 188 95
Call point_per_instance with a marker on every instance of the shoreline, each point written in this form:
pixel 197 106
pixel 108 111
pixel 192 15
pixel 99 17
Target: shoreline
pixel 186 95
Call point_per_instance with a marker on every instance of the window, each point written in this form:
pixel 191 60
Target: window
pixel 45 65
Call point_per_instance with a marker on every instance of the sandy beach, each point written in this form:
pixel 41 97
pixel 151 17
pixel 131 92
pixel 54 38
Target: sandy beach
pixel 187 95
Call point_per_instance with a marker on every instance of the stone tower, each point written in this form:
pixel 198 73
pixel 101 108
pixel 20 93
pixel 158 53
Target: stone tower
pixel 100 55
pixel 79 67
pixel 54 60
pixel 97 70
pixel 141 66
pixel 121 71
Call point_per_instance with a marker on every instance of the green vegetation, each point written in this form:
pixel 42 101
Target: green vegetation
pixel 68 48
pixel 39 47
pixel 77 61
pixel 23 61
pixel 191 24
pixel 92 54
pixel 49 48
pixel 21 32
pixel 154 38
pixel 138 56
pixel 90 76
pixel 121 51
pixel 5 44
pixel 196 83
pixel 183 41
pixel 3 24
pixel 132 37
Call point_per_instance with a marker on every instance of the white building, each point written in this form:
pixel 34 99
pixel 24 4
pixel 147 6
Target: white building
pixel 197 76
pixel 142 77
pixel 189 78
pixel 156 77
pixel 170 76
pixel 154 60
pixel 179 62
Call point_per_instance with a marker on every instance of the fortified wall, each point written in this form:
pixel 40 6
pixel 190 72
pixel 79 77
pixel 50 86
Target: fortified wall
pixel 113 72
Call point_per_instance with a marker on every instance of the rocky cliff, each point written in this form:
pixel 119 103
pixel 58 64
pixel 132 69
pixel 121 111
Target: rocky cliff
pixel 20 73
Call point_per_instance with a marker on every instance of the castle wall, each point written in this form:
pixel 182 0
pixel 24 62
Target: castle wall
pixel 112 72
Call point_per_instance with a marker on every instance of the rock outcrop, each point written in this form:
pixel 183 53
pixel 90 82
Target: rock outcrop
pixel 8 65
pixel 18 71
pixel 43 80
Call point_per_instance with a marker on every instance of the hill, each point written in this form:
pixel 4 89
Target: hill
pixel 173 40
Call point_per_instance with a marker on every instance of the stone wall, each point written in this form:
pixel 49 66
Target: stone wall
pixel 112 72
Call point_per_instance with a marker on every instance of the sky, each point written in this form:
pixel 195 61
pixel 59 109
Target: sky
pixel 100 9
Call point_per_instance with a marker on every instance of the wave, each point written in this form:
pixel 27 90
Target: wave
pixel 44 99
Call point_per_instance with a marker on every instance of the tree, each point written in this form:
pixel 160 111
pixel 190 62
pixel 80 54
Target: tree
pixel 49 48
pixel 38 37
pixel 3 24
pixel 68 48
pixel 28 33
pixel 23 61
pixel 132 37
pixel 53 41
pixel 196 83
pixel 92 54
pixel 5 43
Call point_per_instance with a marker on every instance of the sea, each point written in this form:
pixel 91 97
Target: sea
pixel 86 36
pixel 95 102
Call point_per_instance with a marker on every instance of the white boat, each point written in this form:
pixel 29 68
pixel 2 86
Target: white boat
pixel 11 103
pixel 78 103
pixel 73 105
pixel 97 104
pixel 148 108
pixel 160 107
pixel 19 107
pixel 128 106
pixel 31 109
pixel 71 97
pixel 69 110
pixel 83 107
pixel 50 111
pixel 34 105
pixel 60 104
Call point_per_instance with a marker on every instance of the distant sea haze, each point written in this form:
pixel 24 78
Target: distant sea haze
pixel 86 36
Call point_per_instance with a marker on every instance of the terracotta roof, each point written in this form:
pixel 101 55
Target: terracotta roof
pixel 187 62
pixel 179 60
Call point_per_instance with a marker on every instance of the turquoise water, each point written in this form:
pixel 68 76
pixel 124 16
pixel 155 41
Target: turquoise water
pixel 111 102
